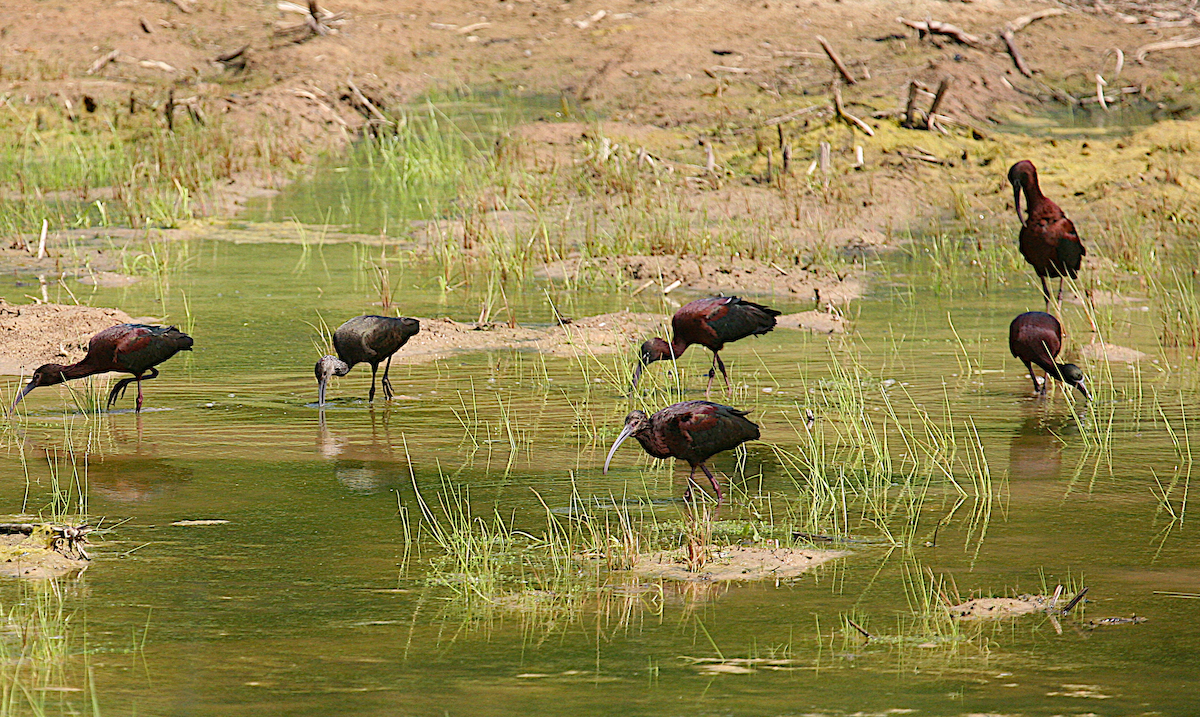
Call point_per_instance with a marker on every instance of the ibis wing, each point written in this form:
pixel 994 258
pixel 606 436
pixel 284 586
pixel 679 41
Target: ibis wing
pixel 140 346
pixel 703 429
pixel 1070 247
pixel 737 318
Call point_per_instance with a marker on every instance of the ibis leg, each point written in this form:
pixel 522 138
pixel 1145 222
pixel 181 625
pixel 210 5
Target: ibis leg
pixel 712 479
pixel 724 373
pixel 1060 288
pixel 1045 292
pixel 687 494
pixel 712 371
pixel 371 395
pixel 1037 387
pixel 140 378
pixel 118 391
pixel 387 384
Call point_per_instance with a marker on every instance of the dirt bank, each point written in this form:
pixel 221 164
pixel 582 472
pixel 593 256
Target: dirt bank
pixel 750 81
pixel 35 334
pixel 712 275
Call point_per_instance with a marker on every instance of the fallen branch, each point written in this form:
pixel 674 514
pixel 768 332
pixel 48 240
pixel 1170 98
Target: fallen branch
pixel 1075 600
pixel 1176 44
pixel 1021 22
pixel 324 107
pixel 1011 28
pixel 840 111
pixel 791 115
pixel 66 537
pixel 837 61
pixel 860 628
pixel 923 157
pixel 101 63
pixel 937 102
pixel 910 108
pixel 934 27
pixel 378 116
pixel 230 57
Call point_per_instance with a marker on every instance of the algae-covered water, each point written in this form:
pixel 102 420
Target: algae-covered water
pixel 307 599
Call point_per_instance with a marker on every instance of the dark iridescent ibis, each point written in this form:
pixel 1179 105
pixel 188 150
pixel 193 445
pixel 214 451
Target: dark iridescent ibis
pixel 1048 240
pixel 125 348
pixel 711 323
pixel 1035 337
pixel 692 431
pixel 365 339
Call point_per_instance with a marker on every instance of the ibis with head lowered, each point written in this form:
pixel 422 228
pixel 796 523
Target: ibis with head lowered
pixel 365 339
pixel 711 323
pixel 692 431
pixel 126 348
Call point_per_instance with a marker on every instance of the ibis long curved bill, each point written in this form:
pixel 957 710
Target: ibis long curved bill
pixel 625 433
pixel 24 392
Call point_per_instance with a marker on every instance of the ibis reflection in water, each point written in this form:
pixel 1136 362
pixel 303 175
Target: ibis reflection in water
pixel 692 431
pixel 126 348
pixel 365 339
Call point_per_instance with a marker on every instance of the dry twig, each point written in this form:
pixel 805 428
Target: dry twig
pixel 840 111
pixel 1011 28
pixel 837 61
pixel 934 27
pixel 1176 44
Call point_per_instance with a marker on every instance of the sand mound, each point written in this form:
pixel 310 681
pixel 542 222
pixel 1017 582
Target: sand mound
pixel 34 334
pixel 714 275
pixel 1112 352
pixel 992 608
pixel 819 322
pixel 603 334
pixel 734 563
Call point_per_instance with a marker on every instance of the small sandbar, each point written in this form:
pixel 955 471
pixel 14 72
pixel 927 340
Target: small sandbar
pixel 35 334
pixel 1111 352
pixel 995 608
pixel 32 556
pixel 734 563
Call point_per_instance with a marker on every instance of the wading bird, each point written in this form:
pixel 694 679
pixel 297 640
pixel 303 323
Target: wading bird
pixel 692 431
pixel 365 339
pixel 127 348
pixel 1048 240
pixel 1035 337
pixel 712 323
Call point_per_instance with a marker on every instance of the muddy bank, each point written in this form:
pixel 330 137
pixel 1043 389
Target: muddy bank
pixel 613 333
pixel 35 334
pixel 713 275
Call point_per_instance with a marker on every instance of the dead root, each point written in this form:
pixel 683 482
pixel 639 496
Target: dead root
pixel 42 550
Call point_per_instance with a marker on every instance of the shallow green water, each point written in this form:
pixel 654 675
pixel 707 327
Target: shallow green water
pixel 305 603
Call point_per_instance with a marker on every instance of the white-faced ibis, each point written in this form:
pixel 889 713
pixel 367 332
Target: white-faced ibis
pixel 712 323
pixel 365 339
pixel 1048 240
pixel 127 348
pixel 692 431
pixel 1035 337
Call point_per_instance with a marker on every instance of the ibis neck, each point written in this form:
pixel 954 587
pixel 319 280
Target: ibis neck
pixel 678 347
pixel 1033 193
pixel 653 444
pixel 81 369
